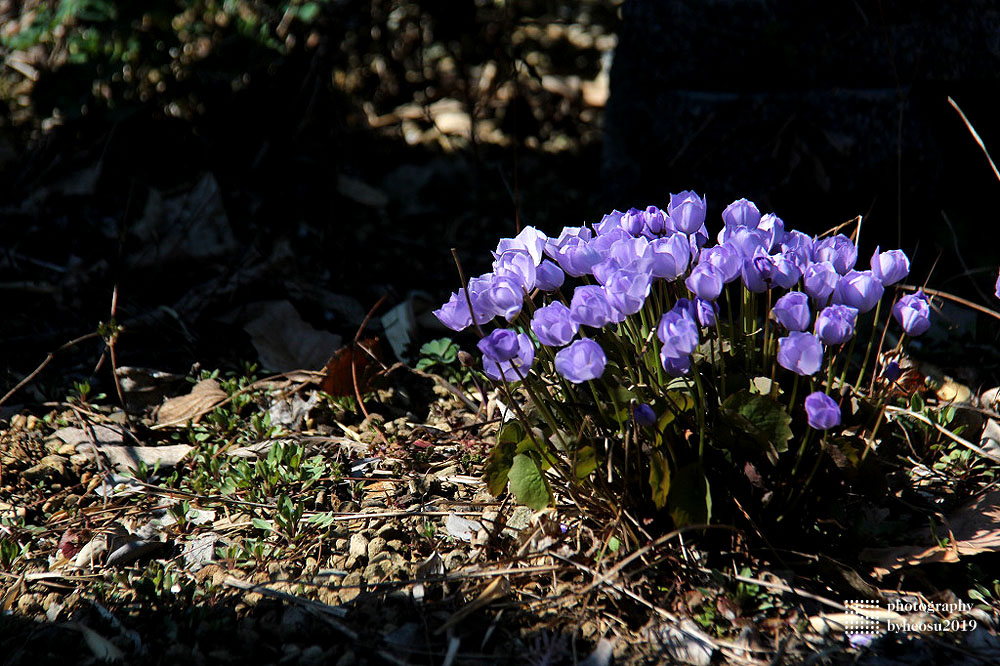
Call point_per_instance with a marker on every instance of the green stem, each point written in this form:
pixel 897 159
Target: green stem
pixel 868 350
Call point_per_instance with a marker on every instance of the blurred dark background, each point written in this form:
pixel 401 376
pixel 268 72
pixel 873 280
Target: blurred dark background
pixel 205 156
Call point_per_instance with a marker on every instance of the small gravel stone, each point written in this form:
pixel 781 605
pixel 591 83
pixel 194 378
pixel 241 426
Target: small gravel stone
pixel 358 546
pixel 376 546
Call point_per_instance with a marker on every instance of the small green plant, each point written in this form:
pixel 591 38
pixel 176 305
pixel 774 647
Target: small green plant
pixel 441 357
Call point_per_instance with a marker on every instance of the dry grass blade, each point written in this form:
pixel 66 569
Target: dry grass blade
pixel 975 135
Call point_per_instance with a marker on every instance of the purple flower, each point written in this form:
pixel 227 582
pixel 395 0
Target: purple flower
pixel 706 311
pixel 676 366
pixel 581 361
pixel 633 221
pixel 687 211
pixel 627 290
pixel 500 345
pixel 506 294
pixel 530 240
pixel 792 311
pixel 774 227
pixel 669 256
pixel 838 250
pixel 890 267
pixel 705 281
pixel 747 241
pixel 835 324
pixel 820 279
pixel 726 258
pixel 518 265
pixel 741 213
pixel 859 289
pixel 455 313
pixel 553 325
pixel 757 272
pixel 508 370
pixel 678 331
pixel 548 276
pixel 785 272
pixel 590 306
pixel 577 257
pixel 568 233
pixel 799 247
pixel 656 222
pixel 612 220
pixel 892 371
pixel 644 415
pixel 997 292
pixel 913 313
pixel 802 353
pixel 822 412
pixel 603 243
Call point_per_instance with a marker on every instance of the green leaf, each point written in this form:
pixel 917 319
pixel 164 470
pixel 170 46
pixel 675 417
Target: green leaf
pixel 761 418
pixel 690 498
pixel 262 524
pixel 497 467
pixel 308 12
pixel 585 463
pixel 528 484
pixel 511 432
pixel 659 479
pixel 677 401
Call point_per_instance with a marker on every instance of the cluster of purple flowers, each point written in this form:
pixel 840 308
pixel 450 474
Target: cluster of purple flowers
pixel 621 258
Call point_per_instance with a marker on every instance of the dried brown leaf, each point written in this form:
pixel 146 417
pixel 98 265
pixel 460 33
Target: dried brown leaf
pixel 203 398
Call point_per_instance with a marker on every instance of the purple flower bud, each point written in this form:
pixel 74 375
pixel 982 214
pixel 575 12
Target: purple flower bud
pixel 792 311
pixel 997 292
pixel 500 345
pixel 548 276
pixel 835 324
pixel 506 295
pixel 820 280
pixel 520 363
pixel 676 366
pixel 687 211
pixel 553 325
pixel 705 281
pixel 741 213
pixel 644 415
pixel 892 371
pixel 633 221
pixel 577 257
pixel 627 290
pixel 859 289
pixel 517 265
pixel 890 267
pixel 656 222
pixel 678 332
pixel 774 227
pixel 455 313
pixel 581 361
pixel 913 313
pixel 802 353
pixel 838 250
pixel 669 256
pixel 822 412
pixel 590 306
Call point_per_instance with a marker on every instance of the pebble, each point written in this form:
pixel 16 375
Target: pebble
pixel 376 546
pixel 350 591
pixel 358 546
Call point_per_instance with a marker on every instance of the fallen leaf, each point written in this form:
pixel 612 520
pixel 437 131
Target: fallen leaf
pixel 203 398
pixel 126 458
pixel 100 646
pixel 969 530
pixel 284 341
pixel 352 361
pixel 461 528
